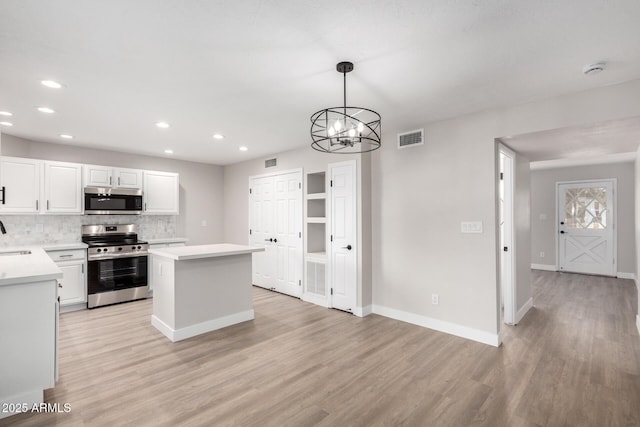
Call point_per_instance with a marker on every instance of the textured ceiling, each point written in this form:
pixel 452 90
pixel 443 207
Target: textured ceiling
pixel 256 70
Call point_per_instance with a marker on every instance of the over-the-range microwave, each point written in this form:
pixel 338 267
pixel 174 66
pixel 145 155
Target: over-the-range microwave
pixel 112 201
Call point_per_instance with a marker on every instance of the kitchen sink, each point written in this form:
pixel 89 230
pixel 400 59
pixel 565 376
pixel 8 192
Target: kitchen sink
pixel 15 253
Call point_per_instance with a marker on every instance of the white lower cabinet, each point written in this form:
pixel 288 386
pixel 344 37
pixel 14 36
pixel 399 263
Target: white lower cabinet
pixel 72 288
pixel 150 263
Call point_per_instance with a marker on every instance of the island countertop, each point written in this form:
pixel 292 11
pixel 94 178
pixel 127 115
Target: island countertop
pixel 182 253
pixel 36 266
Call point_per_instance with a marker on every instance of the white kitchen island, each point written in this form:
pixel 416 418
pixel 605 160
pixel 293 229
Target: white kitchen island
pixel 198 289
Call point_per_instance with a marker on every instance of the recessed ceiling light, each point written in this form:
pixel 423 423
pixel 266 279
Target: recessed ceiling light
pixel 65 136
pixel 243 148
pixel 168 151
pixel 5 113
pixel 218 136
pixel 46 110
pixel 162 125
pixel 52 84
pixel 6 123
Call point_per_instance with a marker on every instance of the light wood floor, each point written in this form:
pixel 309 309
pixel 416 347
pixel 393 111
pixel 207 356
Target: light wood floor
pixel 574 360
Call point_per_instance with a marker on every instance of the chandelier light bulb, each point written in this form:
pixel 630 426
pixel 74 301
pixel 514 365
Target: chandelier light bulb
pixel 352 132
pixel 338 125
pixel 332 131
pixel 360 127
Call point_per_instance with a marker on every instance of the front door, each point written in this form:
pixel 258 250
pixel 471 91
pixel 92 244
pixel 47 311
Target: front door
pixel 586 238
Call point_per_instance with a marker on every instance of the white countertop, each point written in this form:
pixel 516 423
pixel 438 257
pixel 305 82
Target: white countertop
pixel 35 267
pixel 182 253
pixel 165 240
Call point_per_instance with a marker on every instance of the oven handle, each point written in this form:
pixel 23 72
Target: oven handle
pixel 113 256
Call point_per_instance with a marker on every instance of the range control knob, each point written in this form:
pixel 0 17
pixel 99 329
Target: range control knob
pixel 99 250
pixel 119 249
pixel 106 249
pixel 139 247
pixel 133 248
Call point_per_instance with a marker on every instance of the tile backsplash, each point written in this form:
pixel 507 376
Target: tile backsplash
pixel 53 229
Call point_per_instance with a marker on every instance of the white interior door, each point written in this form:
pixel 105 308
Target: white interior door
pixel 343 259
pixel 276 225
pixel 262 229
pixel 288 233
pixel 586 238
pixel 507 280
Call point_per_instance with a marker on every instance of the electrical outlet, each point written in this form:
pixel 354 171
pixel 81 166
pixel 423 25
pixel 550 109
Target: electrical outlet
pixel 541 254
pixel 435 299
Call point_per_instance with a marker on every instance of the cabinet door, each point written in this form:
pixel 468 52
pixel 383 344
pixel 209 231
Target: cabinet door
pixel 161 193
pixel 98 176
pixel 73 287
pixel 21 181
pixel 127 178
pixel 63 187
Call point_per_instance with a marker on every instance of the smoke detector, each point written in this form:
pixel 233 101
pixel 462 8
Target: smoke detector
pixel 596 68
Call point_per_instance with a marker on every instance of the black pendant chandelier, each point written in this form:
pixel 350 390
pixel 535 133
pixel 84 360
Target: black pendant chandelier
pixel 345 130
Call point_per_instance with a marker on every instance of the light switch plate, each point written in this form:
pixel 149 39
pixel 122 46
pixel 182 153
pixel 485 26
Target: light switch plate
pixel 471 227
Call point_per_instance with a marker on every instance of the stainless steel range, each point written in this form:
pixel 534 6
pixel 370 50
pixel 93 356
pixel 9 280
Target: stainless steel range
pixel 117 264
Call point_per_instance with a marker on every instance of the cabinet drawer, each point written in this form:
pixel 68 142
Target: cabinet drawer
pixel 67 255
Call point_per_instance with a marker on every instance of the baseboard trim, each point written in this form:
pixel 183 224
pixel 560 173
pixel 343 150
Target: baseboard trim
pixel 315 299
pixel 524 310
pixel 545 267
pixel 439 325
pixel 363 311
pixel 201 328
pixel 622 275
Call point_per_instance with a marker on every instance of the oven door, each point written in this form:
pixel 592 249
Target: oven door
pixel 115 274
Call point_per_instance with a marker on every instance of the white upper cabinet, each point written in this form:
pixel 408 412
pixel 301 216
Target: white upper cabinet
pixel 127 178
pixel 98 176
pixel 161 193
pixel 20 179
pixel 62 187
pixel 107 176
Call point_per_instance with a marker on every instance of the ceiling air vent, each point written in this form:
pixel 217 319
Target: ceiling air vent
pixel 270 163
pixel 410 139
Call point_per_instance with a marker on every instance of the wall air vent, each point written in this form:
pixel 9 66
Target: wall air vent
pixel 411 139
pixel 270 163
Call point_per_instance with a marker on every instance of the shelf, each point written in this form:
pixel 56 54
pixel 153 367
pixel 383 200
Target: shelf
pixel 317 256
pixel 316 196
pixel 316 220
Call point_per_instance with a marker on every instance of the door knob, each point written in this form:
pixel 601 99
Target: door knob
pixel 561 222
pixel 348 247
pixel 561 231
pixel 275 240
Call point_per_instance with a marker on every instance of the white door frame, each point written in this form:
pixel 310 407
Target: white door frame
pixel 506 234
pixel 614 217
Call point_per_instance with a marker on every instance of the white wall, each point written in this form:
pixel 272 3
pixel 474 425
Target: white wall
pixel 522 236
pixel 201 185
pixel 543 202
pixel 420 195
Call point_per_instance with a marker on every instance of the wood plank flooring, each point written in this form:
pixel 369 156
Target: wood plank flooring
pixel 574 360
